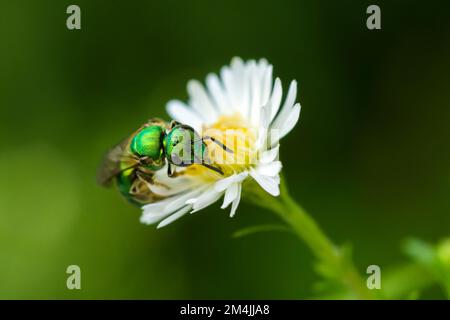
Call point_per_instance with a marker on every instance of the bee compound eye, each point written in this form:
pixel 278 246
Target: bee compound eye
pixel 181 158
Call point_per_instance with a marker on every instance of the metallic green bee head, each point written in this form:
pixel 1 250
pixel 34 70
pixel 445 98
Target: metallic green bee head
pixel 183 146
pixel 148 142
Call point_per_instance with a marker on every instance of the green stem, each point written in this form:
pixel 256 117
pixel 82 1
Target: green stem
pixel 323 249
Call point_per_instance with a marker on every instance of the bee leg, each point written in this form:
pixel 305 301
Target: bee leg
pixel 220 144
pixel 145 177
pixel 143 160
pixel 171 173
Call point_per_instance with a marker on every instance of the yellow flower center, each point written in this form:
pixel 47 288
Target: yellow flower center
pixel 235 133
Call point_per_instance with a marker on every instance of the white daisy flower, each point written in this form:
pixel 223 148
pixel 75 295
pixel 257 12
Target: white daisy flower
pixel 243 108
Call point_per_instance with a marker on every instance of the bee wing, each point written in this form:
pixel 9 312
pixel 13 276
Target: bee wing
pixel 111 163
pixel 158 122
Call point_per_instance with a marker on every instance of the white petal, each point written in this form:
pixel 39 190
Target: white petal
pixel 270 169
pixel 260 87
pixel 178 202
pixel 183 114
pixel 224 183
pixel 201 102
pixel 277 179
pixel 265 117
pixel 230 195
pixel 246 107
pixel 267 183
pixel 236 201
pixel 275 99
pixel 244 101
pixel 269 155
pixel 263 127
pixel 217 93
pixel 191 201
pixel 287 106
pixel 238 74
pixel 174 216
pixel 207 198
pixel 236 84
pixel 255 88
pixel 230 89
pixel 292 94
pixel 266 85
pixel 237 64
pixel 150 217
pixel 261 144
pixel 291 120
pixel 155 207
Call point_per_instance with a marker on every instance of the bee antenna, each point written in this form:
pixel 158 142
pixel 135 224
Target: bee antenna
pixel 220 144
pixel 218 170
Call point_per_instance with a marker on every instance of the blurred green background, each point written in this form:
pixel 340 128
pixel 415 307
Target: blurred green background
pixel 370 158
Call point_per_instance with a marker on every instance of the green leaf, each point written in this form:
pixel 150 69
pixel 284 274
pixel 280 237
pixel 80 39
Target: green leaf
pixel 420 251
pixel 261 228
pixel 434 258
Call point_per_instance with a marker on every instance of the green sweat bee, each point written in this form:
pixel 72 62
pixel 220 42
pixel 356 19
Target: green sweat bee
pixel 134 162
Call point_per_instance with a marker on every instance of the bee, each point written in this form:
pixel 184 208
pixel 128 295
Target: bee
pixel 134 162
